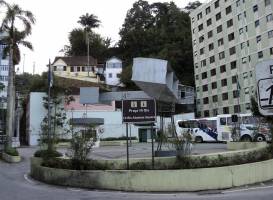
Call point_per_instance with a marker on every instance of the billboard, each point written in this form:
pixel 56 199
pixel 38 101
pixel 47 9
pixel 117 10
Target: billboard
pixel 142 110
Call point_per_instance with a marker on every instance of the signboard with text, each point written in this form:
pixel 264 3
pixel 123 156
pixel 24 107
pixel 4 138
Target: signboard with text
pixel 264 78
pixel 134 111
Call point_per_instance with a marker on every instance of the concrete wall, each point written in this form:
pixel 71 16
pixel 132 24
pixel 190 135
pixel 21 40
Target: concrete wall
pixel 35 114
pixel 158 180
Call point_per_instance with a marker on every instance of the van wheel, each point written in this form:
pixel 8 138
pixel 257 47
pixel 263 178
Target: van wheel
pixel 198 139
pixel 259 138
pixel 246 138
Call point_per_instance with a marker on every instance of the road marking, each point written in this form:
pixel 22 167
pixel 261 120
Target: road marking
pixel 247 189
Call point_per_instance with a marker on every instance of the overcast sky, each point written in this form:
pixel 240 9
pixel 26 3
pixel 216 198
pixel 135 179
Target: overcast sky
pixel 56 18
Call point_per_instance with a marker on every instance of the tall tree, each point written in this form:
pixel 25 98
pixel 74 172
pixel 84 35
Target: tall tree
pixel 14 38
pixel 192 5
pixel 88 21
pixel 159 30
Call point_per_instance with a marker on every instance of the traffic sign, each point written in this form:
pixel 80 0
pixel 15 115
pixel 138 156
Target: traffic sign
pixel 264 78
pixel 135 111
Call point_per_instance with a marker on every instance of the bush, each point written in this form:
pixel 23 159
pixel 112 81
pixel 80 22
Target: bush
pixel 47 154
pixel 74 164
pixel 11 151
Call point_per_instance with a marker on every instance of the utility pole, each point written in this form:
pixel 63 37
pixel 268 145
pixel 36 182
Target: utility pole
pixel 33 72
pixel 24 64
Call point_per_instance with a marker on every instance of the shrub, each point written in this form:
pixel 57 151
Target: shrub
pixel 74 164
pixel 140 166
pixel 47 154
pixel 11 151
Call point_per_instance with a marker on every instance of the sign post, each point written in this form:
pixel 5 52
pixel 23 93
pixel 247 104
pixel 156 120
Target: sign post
pixel 139 111
pixel 264 78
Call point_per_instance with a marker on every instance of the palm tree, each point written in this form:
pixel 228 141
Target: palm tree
pixel 88 21
pixel 13 39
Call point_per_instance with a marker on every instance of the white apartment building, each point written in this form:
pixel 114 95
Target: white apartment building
pixel 229 38
pixel 113 69
pixel 4 67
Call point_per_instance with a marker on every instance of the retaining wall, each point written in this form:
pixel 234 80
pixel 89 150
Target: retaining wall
pixel 157 180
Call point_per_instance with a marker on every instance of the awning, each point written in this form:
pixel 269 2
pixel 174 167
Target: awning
pixel 87 121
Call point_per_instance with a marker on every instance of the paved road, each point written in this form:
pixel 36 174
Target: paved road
pixel 141 150
pixel 16 185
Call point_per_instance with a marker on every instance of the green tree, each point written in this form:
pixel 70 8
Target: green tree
pixel 159 30
pixel 14 38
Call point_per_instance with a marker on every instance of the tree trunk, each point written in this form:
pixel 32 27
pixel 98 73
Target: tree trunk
pixel 10 101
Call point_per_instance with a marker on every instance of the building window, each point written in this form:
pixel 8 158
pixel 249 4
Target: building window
pixel 232 50
pixel 223 68
pixel 199 16
pixel 224 82
pixel 255 8
pixel 210 34
pixel 78 69
pixel 218 16
pixel 245 75
pixel 110 75
pixel 211 59
pixel 221 55
pixel 219 29
pixel 211 46
pixel 201 51
pixel 257 23
pixel 247 90
pixel 207 10
pixel 244 59
pixel 258 38
pixel 213 72
pixel 241 31
pixel 215 111
pixel 204 75
pixel 229 23
pixel 242 45
pixel 64 68
pixel 54 68
pixel 203 63
pixel 240 16
pixel 271 51
pixel 209 22
pixel 238 3
pixel 214 98
pixel 228 10
pixel 206 113
pixel 234 79
pixel 269 17
pixel 225 96
pixel 260 54
pixel 231 36
pixel 213 85
pixel 205 88
pixel 220 42
pixel 270 34
pixel 216 4
pixel 201 39
pixel 225 110
pixel 196 77
pixel 196 65
pixel 71 69
pixel 267 2
pixel 83 69
pixel 236 94
pixel 200 27
pixel 233 65
pixel 237 109
pixel 205 100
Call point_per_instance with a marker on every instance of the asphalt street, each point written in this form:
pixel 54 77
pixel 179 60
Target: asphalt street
pixel 15 184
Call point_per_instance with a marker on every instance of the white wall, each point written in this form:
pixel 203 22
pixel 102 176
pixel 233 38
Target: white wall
pixel 36 114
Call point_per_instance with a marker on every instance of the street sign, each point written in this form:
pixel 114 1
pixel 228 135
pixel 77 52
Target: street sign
pixel 141 110
pixel 264 78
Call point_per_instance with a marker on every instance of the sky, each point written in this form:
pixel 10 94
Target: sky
pixel 56 18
